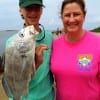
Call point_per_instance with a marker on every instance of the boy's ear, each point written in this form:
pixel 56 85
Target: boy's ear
pixel 20 10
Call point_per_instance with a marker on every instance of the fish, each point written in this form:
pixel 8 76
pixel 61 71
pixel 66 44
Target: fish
pixel 20 61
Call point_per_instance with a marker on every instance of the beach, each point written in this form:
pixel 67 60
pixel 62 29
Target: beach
pixel 2 92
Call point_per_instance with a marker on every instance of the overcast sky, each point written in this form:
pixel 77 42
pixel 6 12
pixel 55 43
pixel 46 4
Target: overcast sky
pixel 11 20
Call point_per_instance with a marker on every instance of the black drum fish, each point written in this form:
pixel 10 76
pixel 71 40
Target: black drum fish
pixel 19 62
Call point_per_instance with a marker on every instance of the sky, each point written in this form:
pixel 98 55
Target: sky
pixel 10 18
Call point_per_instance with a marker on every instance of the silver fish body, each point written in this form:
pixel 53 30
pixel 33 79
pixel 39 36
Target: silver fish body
pixel 19 62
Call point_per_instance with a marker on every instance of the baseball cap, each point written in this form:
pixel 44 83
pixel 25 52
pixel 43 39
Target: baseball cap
pixel 25 3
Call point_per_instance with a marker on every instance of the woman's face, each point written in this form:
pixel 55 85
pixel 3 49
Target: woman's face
pixel 72 17
pixel 31 14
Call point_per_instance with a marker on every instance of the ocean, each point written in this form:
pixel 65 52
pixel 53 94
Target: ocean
pixel 4 35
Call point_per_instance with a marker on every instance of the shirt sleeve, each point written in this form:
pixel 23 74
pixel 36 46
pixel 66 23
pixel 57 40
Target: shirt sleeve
pixel 2 63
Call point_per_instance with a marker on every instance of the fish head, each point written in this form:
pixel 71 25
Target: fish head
pixel 29 32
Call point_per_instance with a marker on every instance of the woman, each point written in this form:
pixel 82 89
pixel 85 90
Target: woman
pixel 41 84
pixel 75 60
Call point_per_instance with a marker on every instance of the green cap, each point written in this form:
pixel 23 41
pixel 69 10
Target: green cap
pixel 25 3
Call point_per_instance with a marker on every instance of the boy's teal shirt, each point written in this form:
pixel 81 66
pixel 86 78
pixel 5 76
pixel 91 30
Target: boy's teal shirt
pixel 41 84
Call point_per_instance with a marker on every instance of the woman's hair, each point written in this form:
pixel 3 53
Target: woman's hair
pixel 81 3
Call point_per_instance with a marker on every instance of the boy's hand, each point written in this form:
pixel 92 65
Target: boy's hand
pixel 39 54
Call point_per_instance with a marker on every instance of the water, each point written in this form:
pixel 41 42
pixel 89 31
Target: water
pixel 4 35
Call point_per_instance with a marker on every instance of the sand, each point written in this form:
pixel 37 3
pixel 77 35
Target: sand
pixel 2 92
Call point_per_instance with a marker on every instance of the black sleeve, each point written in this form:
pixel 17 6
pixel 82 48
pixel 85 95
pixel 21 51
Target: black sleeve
pixel 2 62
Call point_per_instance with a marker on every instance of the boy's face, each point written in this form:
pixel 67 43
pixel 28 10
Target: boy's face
pixel 31 14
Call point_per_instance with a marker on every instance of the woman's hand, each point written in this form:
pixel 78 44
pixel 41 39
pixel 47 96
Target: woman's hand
pixel 39 54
